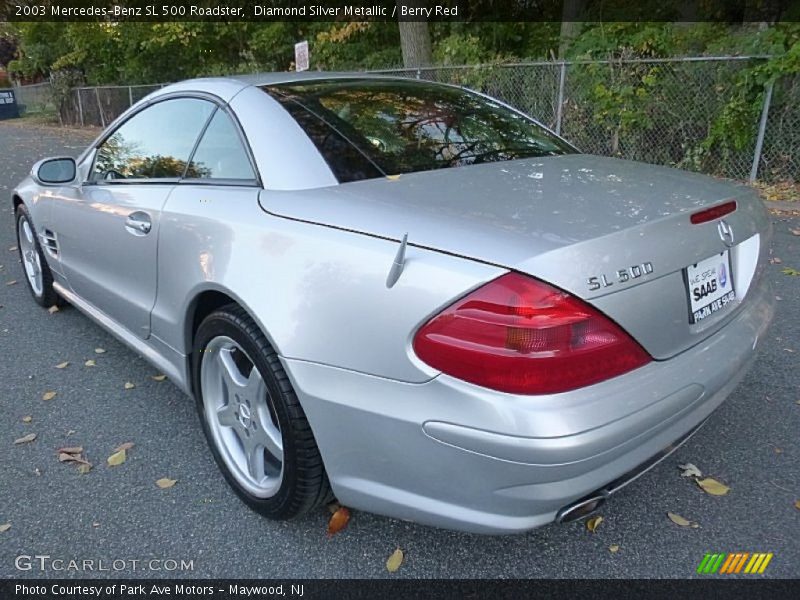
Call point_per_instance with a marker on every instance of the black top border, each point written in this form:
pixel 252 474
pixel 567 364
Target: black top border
pixel 231 11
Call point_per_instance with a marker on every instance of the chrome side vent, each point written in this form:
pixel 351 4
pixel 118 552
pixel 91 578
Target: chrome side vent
pixel 49 242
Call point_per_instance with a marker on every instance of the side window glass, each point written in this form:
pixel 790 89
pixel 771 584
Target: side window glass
pixel 154 143
pixel 220 154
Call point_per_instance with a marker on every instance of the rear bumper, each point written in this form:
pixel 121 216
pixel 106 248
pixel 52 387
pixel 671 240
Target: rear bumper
pixel 451 454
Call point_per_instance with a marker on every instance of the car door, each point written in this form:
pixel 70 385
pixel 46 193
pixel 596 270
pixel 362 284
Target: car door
pixel 108 230
pixel 201 218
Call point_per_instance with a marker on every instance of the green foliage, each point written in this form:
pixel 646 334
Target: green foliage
pixel 8 49
pixel 134 53
pixel 623 97
pixel 622 102
pixel 619 97
pixel 353 45
pixel 458 49
pixel 734 128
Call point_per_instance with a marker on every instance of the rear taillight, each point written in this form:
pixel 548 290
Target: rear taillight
pixel 519 335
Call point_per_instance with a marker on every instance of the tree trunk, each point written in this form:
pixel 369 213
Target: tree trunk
pixel 415 42
pixel 570 26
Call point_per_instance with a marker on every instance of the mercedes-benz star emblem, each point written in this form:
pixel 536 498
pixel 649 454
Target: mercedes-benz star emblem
pixel 725 233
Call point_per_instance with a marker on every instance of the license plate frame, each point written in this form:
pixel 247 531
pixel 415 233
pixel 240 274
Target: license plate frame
pixel 709 286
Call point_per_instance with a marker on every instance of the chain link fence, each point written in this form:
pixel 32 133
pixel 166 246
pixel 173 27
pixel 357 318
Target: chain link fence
pixel 780 155
pixel 101 105
pixel 35 98
pixel 662 111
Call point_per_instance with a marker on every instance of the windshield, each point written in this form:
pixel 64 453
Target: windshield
pixel 369 128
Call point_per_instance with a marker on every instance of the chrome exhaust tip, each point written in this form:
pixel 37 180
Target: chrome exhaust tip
pixel 580 509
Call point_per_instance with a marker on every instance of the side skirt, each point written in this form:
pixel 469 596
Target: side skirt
pixel 175 369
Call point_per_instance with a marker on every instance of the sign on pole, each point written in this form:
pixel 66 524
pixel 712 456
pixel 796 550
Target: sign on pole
pixel 301 56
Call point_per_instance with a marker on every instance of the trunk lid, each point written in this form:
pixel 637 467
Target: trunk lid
pixel 574 221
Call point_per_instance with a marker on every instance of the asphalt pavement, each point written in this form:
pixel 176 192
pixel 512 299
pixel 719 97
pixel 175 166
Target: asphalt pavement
pixel 752 444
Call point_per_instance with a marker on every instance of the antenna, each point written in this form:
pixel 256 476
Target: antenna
pixel 398 264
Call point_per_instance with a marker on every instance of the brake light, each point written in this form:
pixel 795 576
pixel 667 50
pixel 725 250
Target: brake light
pixel 519 335
pixel 715 212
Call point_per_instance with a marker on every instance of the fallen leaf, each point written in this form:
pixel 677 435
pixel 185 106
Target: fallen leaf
pixel 89 363
pixel 165 483
pixel 713 487
pixel 27 419
pixel 158 377
pixel 126 446
pixel 339 520
pixel 394 561
pixel 48 395
pixel 12 282
pixel 683 522
pixel 129 385
pixel 786 271
pixel 73 454
pixel 25 439
pixel 84 468
pixel 99 350
pixel 613 548
pixel 593 523
pixel 5 527
pixel 797 504
pixel 53 309
pixel 690 470
pixel 62 365
pixel 116 459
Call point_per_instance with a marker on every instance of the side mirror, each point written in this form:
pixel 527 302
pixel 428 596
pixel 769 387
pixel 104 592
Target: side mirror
pixel 54 171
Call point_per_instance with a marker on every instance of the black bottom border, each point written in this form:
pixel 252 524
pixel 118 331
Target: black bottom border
pixel 384 589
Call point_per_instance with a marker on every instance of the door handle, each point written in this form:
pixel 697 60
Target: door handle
pixel 138 223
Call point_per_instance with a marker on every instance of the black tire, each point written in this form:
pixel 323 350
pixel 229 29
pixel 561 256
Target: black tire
pixel 48 297
pixel 304 485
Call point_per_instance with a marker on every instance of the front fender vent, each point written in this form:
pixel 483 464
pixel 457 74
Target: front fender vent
pixel 49 242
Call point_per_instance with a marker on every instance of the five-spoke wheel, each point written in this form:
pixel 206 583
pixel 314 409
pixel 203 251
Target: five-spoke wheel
pixel 252 418
pixel 241 417
pixel 37 272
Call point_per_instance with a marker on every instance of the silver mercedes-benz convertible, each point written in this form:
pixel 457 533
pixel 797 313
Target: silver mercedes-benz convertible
pixel 406 295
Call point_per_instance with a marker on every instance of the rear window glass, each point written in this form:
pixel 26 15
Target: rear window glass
pixel 369 128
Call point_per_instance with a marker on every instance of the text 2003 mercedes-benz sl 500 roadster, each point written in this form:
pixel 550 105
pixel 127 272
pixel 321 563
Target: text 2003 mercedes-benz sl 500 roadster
pixel 407 295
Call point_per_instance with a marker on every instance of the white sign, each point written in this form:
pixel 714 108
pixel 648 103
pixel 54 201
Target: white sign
pixel 301 56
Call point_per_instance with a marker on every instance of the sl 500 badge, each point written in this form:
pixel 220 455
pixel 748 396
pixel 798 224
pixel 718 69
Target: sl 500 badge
pixel 621 276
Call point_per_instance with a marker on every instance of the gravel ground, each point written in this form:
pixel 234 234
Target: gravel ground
pixel 751 443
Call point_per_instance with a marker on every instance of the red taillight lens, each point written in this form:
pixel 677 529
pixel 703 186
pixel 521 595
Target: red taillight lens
pixel 519 335
pixel 715 212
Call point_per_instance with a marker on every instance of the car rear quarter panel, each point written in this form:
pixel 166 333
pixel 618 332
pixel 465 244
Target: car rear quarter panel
pixel 318 293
